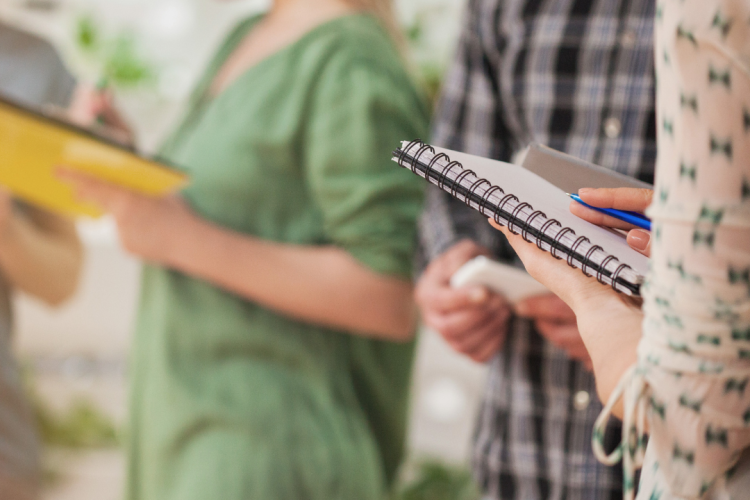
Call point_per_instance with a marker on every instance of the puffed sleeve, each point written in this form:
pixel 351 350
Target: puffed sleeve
pixel 360 112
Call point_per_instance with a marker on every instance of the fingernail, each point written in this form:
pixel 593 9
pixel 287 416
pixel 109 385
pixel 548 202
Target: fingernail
pixel 478 295
pixel 584 191
pixel 639 239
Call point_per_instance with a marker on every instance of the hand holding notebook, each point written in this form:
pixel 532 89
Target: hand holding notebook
pixel 531 206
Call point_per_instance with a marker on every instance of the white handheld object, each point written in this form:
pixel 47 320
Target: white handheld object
pixel 514 284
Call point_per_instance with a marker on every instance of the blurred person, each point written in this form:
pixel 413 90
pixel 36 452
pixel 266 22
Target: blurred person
pixel 575 75
pixel 31 71
pixel 274 342
pixel 39 255
pixel 677 369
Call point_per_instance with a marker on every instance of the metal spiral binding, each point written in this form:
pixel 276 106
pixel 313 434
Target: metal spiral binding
pixel 531 218
pixel 587 258
pixel 607 260
pixel 436 158
pixel 415 159
pixel 616 274
pixel 477 184
pixel 513 218
pixel 444 172
pixel 404 151
pixel 548 224
pixel 459 180
pixel 556 242
pixel 573 248
pixel 487 196
pixel 505 199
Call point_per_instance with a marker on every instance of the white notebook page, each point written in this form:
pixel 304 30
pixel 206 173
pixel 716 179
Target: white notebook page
pixel 543 195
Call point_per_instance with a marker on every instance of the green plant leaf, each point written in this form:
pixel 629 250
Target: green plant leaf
pixel 87 34
pixel 123 66
pixel 83 426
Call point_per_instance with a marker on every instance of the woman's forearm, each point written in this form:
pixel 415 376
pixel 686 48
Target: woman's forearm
pixel 40 254
pixel 316 284
pixel 319 284
pixel 611 337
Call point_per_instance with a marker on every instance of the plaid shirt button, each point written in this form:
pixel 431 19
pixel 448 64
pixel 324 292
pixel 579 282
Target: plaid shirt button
pixel 612 128
pixel 581 400
pixel 628 39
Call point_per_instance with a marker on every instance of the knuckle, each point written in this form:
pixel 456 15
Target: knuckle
pixel 465 245
pixel 430 321
pixel 561 310
pixel 500 314
pixel 438 270
pixel 439 324
pixel 548 332
pixel 421 295
pixel 452 331
pixel 457 346
pixel 479 357
pixel 489 354
pixel 464 249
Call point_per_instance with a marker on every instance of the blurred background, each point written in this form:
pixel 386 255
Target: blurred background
pixel 76 358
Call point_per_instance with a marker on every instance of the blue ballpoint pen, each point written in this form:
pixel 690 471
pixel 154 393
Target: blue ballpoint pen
pixel 638 220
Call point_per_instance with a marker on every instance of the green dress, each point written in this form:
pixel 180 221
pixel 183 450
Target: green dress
pixel 231 400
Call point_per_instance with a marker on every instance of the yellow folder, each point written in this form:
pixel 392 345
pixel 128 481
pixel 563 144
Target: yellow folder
pixel 33 145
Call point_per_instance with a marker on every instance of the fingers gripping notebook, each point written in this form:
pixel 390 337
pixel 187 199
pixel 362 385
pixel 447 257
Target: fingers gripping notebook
pixel 529 205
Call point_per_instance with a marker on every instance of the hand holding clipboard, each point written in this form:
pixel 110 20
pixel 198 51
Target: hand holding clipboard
pixel 35 144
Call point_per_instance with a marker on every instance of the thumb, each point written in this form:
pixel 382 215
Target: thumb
pixel 568 283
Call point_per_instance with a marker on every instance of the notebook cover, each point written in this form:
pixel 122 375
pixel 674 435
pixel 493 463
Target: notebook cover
pixel 570 173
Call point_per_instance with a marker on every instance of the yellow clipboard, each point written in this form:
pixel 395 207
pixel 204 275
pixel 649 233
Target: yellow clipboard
pixel 33 145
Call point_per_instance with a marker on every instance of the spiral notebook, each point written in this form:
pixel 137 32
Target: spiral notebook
pixel 531 206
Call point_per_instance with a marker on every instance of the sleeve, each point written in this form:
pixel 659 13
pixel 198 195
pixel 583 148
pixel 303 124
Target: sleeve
pixel 693 365
pixel 361 111
pixel 469 118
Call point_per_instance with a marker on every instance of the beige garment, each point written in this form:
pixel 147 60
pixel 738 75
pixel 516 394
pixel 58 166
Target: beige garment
pixel 692 378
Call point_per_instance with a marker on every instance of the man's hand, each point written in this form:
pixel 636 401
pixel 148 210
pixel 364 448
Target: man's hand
pixel 472 320
pixel 632 199
pixel 556 322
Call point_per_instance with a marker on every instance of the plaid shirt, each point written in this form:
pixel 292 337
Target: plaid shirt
pixel 576 75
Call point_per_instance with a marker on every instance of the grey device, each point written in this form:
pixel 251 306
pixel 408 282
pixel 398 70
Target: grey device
pixel 570 173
